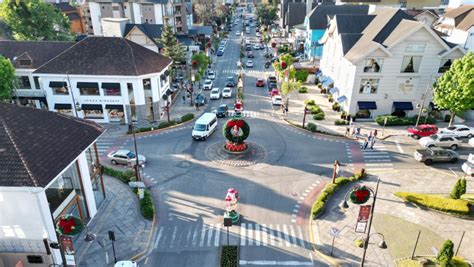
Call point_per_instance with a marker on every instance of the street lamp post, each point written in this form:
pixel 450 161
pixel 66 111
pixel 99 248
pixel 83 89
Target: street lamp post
pixel 137 165
pixel 74 103
pixel 344 205
pixel 423 100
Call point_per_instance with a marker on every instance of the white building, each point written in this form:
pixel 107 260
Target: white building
pixel 107 79
pixel 48 168
pixel 383 63
pixel 458 25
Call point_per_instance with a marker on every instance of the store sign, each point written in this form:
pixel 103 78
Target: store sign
pixel 362 219
pixel 407 85
pixel 100 100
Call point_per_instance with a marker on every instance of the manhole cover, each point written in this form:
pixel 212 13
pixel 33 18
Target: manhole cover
pixel 253 155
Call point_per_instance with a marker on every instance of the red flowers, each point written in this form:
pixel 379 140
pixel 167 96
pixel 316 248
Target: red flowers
pixel 235 147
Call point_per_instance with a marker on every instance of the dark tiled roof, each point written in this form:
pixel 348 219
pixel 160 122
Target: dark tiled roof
pixel 106 56
pixel 184 39
pixel 202 30
pixel 152 31
pixel 38 52
pixel 73 16
pixel 296 12
pixel 352 23
pixel 391 25
pixel 36 145
pixel 318 16
pixel 65 7
pixel 348 40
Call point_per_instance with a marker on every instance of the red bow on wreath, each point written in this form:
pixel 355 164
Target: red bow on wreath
pixel 238 123
pixel 361 194
pixel 67 225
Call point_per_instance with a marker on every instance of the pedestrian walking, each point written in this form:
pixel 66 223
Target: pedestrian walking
pixel 347 131
pixel 283 108
pixel 184 99
pixel 375 133
pixel 365 144
pixel 358 131
pixel 286 110
pixel 372 143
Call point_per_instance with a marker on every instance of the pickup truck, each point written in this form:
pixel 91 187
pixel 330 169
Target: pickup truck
pixel 435 154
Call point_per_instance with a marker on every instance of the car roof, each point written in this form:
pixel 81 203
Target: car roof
pixel 227 88
pixel 122 151
pixel 215 89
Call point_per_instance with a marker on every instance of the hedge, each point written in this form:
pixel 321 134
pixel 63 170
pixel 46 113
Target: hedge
pixel 455 206
pixel 396 121
pixel 229 257
pixel 319 116
pixel 146 206
pixel 301 75
pixel 124 176
pixel 165 124
pixel 329 190
pixel 310 102
pixel 187 117
pixel 303 90
pixel 341 122
pixel 312 127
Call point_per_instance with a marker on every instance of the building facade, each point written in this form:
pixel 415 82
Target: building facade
pixel 54 173
pixel 107 79
pixel 385 63
pixel 398 3
pixel 458 26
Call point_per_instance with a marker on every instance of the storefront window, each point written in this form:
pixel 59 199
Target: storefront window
pixel 363 114
pixel 116 115
pixel 369 86
pixel 445 65
pixel 65 111
pixel 89 91
pixel 60 90
pixel 373 65
pixel 147 84
pixel 37 84
pixel 112 92
pixel 24 82
pixel 93 113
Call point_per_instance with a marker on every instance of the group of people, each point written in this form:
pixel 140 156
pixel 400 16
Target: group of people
pixel 369 141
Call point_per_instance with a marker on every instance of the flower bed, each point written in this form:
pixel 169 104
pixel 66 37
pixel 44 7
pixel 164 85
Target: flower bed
pixel 454 206
pixel 146 206
pixel 124 176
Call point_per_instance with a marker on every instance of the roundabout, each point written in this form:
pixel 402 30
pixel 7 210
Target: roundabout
pixel 252 155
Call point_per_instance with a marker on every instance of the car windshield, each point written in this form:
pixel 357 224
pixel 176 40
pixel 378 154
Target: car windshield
pixel 207 82
pixel 131 155
pixel 226 91
pixel 200 127
pixel 434 137
pixel 451 128
pixel 221 109
pixel 215 91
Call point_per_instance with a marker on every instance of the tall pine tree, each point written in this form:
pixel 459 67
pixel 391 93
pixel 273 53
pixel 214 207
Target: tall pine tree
pixel 172 48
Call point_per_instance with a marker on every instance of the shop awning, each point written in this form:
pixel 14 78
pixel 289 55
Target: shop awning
pixel 327 82
pixel 119 107
pixel 62 106
pixel 367 105
pixel 87 85
pixel 341 99
pixel 91 107
pixel 169 92
pixel 402 105
pixel 334 90
pixel 57 84
pixel 110 85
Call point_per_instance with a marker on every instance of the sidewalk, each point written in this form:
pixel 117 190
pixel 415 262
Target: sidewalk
pixel 120 212
pixel 178 108
pixel 397 221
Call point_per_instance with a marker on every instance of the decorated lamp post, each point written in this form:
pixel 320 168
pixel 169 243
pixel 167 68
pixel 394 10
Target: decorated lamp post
pixel 231 200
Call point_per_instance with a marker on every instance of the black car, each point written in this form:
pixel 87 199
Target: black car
pixel 248 48
pixel 230 82
pixel 272 85
pixel 200 100
pixel 271 79
pixel 222 111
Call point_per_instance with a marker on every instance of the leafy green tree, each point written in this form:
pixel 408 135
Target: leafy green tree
pixel 5 31
pixel 202 62
pixel 288 87
pixel 205 11
pixel 289 60
pixel 7 79
pixel 171 47
pixel 266 13
pixel 454 91
pixel 459 189
pixel 35 20
pixel 446 253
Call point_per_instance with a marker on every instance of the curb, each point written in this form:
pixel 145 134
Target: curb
pixel 289 122
pixel 147 247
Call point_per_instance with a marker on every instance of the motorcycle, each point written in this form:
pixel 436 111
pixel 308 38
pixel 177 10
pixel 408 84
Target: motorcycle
pixel 267 64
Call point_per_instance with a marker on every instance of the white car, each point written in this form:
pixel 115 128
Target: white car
pixel 215 93
pixel 441 140
pixel 211 75
pixel 227 92
pixel 256 46
pixel 249 64
pixel 126 264
pixel 277 100
pixel 208 84
pixel 459 130
pixel 237 33
pixel 258 34
pixel 471 142
pixel 468 166
pixel 124 156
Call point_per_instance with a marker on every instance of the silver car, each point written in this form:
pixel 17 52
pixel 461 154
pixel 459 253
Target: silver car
pixel 124 156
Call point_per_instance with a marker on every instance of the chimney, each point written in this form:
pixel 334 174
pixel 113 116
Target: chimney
pixel 114 27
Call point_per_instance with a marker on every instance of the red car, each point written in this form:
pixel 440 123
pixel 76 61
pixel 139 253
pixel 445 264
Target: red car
pixel 422 130
pixel 260 83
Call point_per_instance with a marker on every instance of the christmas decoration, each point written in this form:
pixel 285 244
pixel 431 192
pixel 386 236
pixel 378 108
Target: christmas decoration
pixel 283 65
pixel 359 195
pixel 231 205
pixel 69 225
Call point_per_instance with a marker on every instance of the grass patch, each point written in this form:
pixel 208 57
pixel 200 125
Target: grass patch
pixel 124 176
pixel 146 206
pixel 454 206
pixel 329 190
pixel 229 257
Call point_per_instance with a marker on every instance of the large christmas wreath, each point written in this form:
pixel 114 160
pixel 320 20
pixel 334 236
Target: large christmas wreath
pixel 69 225
pixel 241 125
pixel 360 195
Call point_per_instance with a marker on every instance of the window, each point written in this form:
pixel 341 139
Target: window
pixel 369 86
pixel 63 90
pixel 445 65
pixel 363 114
pixel 111 89
pixel 89 91
pixel 94 113
pixel 37 84
pixel 411 64
pixel 24 82
pixel 373 65
pixel 147 84
pixel 415 47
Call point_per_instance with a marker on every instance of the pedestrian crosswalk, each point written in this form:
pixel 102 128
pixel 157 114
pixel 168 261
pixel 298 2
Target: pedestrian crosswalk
pixel 253 114
pixel 248 71
pixel 378 159
pixel 106 141
pixel 213 235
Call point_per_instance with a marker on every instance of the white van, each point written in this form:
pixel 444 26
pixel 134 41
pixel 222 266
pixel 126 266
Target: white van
pixel 204 126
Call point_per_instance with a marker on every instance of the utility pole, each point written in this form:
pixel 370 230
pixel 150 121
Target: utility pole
pixel 424 99
pixel 137 165
pixel 366 242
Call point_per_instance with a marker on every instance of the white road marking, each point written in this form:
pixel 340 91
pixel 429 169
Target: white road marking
pixel 174 236
pixel 250 234
pixel 264 234
pixel 378 156
pixel 195 235
pixel 399 147
pixel 209 235
pixel 203 235
pixel 257 234
pixel 276 263
pixel 280 241
pixel 218 235
pixel 301 238
pixel 158 237
pixel 242 234
pixel 378 160
pixel 285 234
pixel 293 236
pixel 378 164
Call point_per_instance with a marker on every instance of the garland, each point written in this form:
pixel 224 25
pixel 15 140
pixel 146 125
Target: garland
pixel 360 195
pixel 69 225
pixel 227 131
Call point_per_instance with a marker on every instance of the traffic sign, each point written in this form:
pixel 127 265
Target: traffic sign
pixel 334 232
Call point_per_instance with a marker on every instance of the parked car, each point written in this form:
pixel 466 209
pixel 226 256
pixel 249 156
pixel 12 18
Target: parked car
pixel 459 130
pixel 260 83
pixel 237 33
pixel 441 140
pixel 271 79
pixel 124 156
pixel 471 142
pixel 227 92
pixel 250 54
pixel 256 47
pixel 222 111
pixel 230 82
pixel 435 154
pixel 215 93
pixel 272 85
pixel 248 48
pixel 249 64
pixel 220 53
pixel 200 100
pixel 277 100
pixel 126 264
pixel 208 85
pixel 211 75
pixel 422 130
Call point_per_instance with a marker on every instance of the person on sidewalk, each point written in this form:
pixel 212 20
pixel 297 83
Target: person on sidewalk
pixel 347 131
pixel 375 133
pixel 286 110
pixel 365 144
pixel 372 143
pixel 184 99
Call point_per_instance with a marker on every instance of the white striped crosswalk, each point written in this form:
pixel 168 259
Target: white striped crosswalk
pixel 377 160
pixel 247 71
pixel 249 234
pixel 254 114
